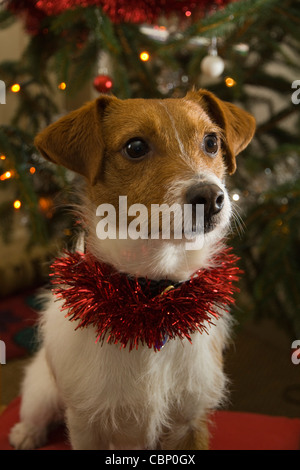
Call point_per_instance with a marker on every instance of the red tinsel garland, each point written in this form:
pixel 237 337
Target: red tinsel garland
pixel 144 11
pixel 129 10
pixel 124 312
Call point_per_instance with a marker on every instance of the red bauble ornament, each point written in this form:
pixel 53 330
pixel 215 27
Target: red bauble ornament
pixel 124 311
pixel 103 83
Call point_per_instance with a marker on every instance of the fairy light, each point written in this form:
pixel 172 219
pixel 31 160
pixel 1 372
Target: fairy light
pixel 144 56
pixel 6 175
pixel 17 204
pixel 62 86
pixel 188 13
pixel 235 197
pixel 46 206
pixel 45 203
pixel 32 170
pixel 2 157
pixel 15 88
pixel 230 82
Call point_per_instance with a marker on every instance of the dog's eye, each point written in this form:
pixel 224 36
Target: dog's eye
pixel 136 148
pixel 210 144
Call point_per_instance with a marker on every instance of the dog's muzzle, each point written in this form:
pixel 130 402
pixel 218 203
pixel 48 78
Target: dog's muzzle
pixel 211 197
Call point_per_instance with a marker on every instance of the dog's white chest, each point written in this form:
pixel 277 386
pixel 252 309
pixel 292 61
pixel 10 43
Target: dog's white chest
pixel 115 386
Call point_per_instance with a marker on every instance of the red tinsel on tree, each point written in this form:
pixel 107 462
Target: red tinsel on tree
pixel 144 11
pixel 122 311
pixel 129 10
pixel 32 16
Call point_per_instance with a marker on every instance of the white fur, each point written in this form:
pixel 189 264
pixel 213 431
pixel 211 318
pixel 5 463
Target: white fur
pixel 113 397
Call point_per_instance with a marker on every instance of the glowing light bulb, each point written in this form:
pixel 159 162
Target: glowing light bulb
pixel 2 157
pixel 62 86
pixel 235 197
pixel 230 82
pixel 17 204
pixel 144 56
pixel 6 175
pixel 188 13
pixel 32 170
pixel 15 87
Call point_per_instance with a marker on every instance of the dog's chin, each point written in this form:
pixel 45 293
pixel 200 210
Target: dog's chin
pixel 215 228
pixel 175 259
pixel 194 231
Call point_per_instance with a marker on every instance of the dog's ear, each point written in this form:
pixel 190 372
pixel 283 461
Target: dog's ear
pixel 238 125
pixel 75 140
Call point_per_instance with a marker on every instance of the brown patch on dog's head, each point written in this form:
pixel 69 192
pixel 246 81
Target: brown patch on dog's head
pixel 76 141
pixel 238 125
pixel 91 140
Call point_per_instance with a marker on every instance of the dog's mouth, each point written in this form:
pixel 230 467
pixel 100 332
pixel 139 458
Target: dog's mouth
pixel 191 230
pixel 203 225
pixel 197 230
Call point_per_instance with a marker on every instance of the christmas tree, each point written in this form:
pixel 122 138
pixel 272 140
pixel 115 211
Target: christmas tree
pixel 244 51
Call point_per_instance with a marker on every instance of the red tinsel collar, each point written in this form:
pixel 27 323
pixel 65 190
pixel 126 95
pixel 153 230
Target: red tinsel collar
pixel 126 312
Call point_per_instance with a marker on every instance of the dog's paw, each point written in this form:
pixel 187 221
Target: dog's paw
pixel 24 436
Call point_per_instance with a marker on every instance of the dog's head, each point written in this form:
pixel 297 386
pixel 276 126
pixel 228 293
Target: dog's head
pixel 171 151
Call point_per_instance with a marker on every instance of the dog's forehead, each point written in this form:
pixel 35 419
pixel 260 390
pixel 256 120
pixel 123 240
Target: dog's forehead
pixel 185 109
pixel 156 116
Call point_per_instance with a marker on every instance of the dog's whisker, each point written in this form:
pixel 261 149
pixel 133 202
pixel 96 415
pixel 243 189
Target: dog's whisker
pixel 237 222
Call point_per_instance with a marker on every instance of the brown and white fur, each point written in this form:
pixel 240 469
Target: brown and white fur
pixel 109 397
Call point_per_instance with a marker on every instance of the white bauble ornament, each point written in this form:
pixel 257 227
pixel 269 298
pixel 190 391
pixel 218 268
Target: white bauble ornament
pixel 212 65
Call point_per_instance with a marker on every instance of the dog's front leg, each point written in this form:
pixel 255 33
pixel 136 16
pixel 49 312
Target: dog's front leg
pixel 87 436
pixel 40 405
pixel 186 437
pixel 82 434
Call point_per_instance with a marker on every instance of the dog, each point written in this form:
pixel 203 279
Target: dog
pixel 174 150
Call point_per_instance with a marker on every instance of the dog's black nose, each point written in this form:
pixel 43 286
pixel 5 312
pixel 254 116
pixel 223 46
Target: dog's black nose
pixel 210 195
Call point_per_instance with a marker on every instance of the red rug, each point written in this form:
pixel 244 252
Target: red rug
pixel 229 431
pixel 18 317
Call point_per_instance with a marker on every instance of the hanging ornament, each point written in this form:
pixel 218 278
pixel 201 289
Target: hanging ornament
pixel 241 48
pixel 213 65
pixel 103 82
